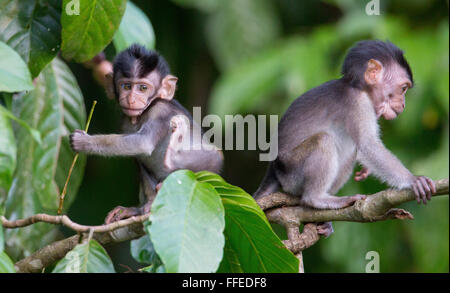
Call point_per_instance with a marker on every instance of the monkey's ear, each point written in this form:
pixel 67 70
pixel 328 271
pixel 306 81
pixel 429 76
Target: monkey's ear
pixel 168 86
pixel 109 85
pixel 374 72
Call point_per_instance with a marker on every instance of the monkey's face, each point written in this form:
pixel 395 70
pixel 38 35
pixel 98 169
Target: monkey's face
pixel 389 93
pixel 135 94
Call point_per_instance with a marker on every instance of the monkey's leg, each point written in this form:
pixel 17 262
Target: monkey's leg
pixel 119 213
pixel 196 156
pixel 320 170
pixel 147 194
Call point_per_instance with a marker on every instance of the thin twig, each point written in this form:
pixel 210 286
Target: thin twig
pixel 63 193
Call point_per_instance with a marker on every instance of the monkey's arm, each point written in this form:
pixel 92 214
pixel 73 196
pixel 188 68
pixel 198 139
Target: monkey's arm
pixel 372 153
pixel 374 156
pixel 113 144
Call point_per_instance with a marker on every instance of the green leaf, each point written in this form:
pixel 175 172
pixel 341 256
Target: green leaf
pixel 8 153
pixel 34 133
pixel 134 28
pixel 238 29
pixel 252 246
pixel 54 107
pixel 74 117
pixel 89 257
pixel 14 73
pixel 6 265
pixel 32 28
pixel 86 34
pixel 187 222
pixel 142 250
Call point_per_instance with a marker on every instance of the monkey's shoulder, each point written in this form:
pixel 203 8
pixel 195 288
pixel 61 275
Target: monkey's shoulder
pixel 166 109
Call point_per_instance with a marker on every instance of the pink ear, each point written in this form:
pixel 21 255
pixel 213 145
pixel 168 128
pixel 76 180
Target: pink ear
pixel 168 87
pixel 374 72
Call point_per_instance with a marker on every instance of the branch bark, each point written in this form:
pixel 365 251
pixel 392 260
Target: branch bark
pixel 116 232
pixel 285 210
pixel 279 207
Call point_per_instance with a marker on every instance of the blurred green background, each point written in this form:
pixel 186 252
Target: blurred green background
pixel 256 57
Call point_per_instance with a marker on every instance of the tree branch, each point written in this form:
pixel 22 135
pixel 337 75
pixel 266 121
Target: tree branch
pixel 279 207
pixel 285 210
pixel 116 232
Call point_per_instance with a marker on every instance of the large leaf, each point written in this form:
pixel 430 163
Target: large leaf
pixel 238 29
pixel 252 246
pixel 6 265
pixel 143 251
pixel 86 34
pixel 134 28
pixel 32 28
pixel 8 151
pixel 34 189
pixel 187 222
pixel 74 117
pixel 89 257
pixel 14 73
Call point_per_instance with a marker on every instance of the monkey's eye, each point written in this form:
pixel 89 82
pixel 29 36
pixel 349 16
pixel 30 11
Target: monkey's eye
pixel 126 86
pixel 143 87
pixel 404 89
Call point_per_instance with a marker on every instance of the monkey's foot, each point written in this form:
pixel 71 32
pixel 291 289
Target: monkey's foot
pixel 120 213
pixel 362 175
pixel 325 229
pixel 350 200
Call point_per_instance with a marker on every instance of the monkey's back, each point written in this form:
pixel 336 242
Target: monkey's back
pixel 314 112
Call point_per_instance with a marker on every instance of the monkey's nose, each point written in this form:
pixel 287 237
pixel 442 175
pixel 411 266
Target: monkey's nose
pixel 131 100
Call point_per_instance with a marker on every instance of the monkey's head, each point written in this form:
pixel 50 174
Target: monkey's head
pixel 380 69
pixel 139 76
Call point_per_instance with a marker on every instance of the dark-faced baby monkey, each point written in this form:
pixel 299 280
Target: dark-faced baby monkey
pixel 330 127
pixel 157 129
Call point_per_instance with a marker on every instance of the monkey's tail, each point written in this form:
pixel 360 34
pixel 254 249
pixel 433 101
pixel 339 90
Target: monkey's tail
pixel 270 183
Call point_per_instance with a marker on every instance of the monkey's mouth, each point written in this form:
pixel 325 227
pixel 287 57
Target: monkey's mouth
pixel 132 111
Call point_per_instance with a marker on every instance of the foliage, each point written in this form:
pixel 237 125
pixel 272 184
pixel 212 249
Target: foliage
pixel 187 222
pixel 32 28
pixel 253 56
pixel 86 34
pixel 135 28
pixel 6 265
pixel 199 221
pixel 88 257
pixel 14 74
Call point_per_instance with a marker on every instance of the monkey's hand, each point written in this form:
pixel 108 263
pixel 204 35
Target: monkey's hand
pixel 423 188
pixel 79 141
pixel 362 175
pixel 119 213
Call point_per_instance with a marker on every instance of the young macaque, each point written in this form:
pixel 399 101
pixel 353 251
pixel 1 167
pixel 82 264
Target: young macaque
pixel 157 129
pixel 329 128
